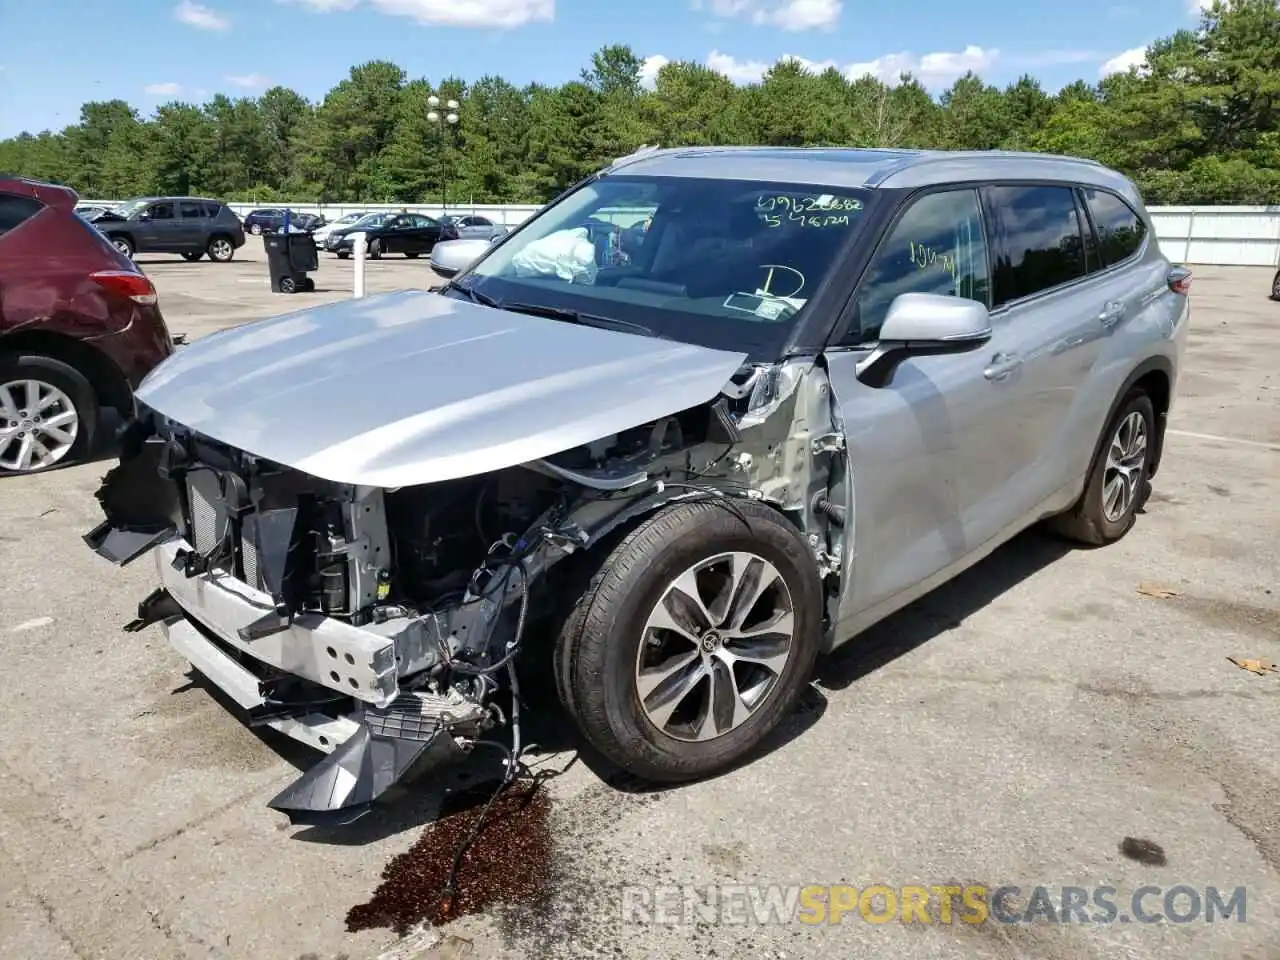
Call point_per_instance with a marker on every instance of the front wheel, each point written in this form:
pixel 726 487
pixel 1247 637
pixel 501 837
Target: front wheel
pixel 124 245
pixel 343 255
pixel 1119 480
pixel 375 249
pixel 48 414
pixel 692 640
pixel 256 229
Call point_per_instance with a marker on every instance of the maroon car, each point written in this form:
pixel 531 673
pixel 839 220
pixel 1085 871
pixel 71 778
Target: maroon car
pixel 79 327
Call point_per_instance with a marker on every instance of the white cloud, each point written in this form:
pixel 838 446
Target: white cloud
pixel 163 89
pixel 934 70
pixel 1195 6
pixel 649 70
pixel 501 14
pixel 1051 58
pixel 199 16
pixel 1121 62
pixel 249 81
pixel 791 15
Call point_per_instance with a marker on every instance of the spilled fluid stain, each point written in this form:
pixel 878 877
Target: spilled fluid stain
pixel 509 862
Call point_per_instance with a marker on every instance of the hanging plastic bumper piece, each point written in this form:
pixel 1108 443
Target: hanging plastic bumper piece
pixel 342 787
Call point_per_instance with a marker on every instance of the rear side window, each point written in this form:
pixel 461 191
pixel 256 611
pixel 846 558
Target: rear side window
pixel 15 210
pixel 191 210
pixel 212 209
pixel 1038 236
pixel 1120 230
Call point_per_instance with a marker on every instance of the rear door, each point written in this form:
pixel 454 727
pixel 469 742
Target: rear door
pixel 1049 309
pixel 193 224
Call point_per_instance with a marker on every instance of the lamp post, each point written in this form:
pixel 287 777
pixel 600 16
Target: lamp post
pixel 449 118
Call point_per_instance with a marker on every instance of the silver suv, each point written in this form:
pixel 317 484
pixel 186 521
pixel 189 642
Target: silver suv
pixel 710 413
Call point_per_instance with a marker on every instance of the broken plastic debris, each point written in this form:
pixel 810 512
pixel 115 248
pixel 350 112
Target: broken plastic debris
pixel 1157 591
pixel 1260 667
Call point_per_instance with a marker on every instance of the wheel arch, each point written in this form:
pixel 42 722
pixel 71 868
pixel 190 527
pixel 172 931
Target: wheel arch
pixel 108 381
pixel 1154 376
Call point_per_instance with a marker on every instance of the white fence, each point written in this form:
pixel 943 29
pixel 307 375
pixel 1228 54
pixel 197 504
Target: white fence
pixel 1229 236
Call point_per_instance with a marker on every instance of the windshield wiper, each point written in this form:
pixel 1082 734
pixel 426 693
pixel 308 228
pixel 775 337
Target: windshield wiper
pixel 585 319
pixel 475 296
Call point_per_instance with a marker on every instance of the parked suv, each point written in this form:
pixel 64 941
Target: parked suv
pixel 818 384
pixel 191 226
pixel 271 220
pixel 79 328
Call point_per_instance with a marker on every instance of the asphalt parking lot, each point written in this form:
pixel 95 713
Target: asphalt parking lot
pixel 1013 728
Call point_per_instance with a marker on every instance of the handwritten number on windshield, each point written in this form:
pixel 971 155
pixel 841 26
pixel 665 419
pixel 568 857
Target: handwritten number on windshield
pixel 825 211
pixel 925 257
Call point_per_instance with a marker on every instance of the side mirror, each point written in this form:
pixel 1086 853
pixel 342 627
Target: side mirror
pixel 921 324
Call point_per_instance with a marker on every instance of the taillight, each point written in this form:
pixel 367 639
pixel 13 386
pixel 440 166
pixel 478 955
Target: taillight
pixel 126 283
pixel 1180 280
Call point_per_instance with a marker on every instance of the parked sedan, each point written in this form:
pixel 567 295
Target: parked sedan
pixel 321 233
pixel 412 234
pixel 475 227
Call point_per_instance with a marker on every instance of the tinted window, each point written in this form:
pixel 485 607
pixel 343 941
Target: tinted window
pixel 161 211
pixel 211 210
pixel 190 209
pixel 14 210
pixel 1120 230
pixel 936 247
pixel 1039 238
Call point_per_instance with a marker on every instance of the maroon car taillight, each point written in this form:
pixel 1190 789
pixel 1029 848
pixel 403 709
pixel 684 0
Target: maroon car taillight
pixel 126 284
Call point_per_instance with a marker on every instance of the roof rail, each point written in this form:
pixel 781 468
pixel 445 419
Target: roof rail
pixel 639 153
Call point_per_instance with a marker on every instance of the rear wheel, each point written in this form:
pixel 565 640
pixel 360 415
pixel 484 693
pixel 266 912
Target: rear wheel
pixel 412 256
pixel 256 229
pixel 1119 480
pixel 48 414
pixel 343 255
pixel 692 640
pixel 123 244
pixel 1275 287
pixel 221 249
pixel 191 256
pixel 375 249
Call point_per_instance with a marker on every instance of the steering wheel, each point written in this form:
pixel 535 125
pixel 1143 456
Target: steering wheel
pixel 780 280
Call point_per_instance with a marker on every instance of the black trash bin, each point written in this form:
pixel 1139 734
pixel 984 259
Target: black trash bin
pixel 290 256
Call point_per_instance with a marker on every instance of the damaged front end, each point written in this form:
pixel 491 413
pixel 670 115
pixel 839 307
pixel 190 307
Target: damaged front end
pixel 377 624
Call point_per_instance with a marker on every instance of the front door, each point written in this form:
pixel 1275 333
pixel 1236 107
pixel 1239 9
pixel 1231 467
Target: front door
pixel 926 451
pixel 192 225
pixel 161 229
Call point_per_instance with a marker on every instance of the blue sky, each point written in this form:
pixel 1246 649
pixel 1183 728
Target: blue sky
pixel 60 53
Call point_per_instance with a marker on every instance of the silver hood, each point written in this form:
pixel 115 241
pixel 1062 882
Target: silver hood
pixel 414 387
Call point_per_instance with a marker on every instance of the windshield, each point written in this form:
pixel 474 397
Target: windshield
pixel 130 207
pixel 373 219
pixel 721 263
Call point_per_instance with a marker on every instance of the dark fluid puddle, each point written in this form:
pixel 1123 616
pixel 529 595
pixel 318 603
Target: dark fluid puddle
pixel 508 862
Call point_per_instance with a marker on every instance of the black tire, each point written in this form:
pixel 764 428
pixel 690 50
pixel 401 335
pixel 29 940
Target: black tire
pixel 123 243
pixel 287 285
pixel 308 285
pixel 412 256
pixel 220 248
pixel 1275 286
pixel 21 366
pixel 599 642
pixel 191 256
pixel 1087 522
pixel 343 255
pixel 256 229
pixel 375 249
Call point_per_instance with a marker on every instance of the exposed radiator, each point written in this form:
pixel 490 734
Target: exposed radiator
pixel 211 522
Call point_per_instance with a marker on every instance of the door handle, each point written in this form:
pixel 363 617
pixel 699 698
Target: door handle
pixel 1002 366
pixel 1111 314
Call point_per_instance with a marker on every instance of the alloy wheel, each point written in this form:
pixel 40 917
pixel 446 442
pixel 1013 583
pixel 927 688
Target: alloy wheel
pixel 715 646
pixel 220 249
pixel 1126 458
pixel 123 246
pixel 38 425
